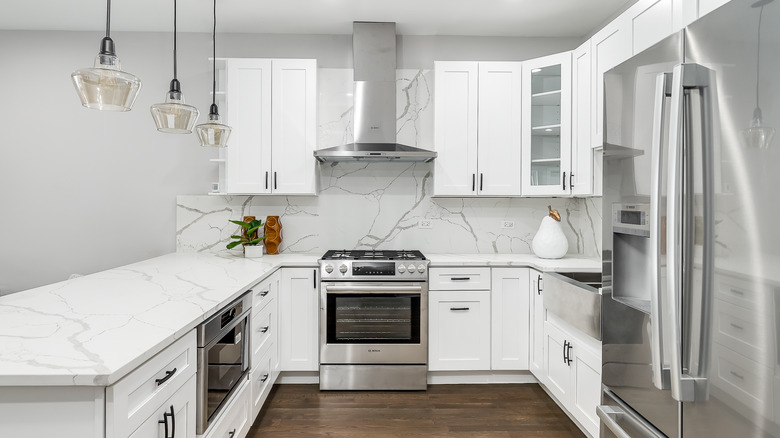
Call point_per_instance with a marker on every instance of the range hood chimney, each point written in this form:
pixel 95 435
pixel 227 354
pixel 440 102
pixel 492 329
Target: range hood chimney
pixel 374 54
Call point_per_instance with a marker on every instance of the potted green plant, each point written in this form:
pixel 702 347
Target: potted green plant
pixel 249 237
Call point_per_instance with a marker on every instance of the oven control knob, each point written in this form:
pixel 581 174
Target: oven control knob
pixel 328 268
pixel 401 268
pixel 343 269
pixel 410 268
pixel 421 268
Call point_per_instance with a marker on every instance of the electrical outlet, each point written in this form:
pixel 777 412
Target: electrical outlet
pixel 425 224
pixel 507 224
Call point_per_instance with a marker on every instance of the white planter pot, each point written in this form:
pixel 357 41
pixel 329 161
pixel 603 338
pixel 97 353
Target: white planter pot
pixel 253 251
pixel 550 242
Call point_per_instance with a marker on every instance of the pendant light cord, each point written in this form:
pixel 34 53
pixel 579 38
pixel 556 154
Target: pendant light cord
pixel 214 58
pixel 108 18
pixel 174 40
pixel 758 50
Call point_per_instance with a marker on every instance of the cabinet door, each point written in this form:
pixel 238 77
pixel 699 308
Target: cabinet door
pixel 499 129
pixel 299 320
pixel 537 326
pixel 509 319
pixel 179 410
pixel 294 126
pixel 557 371
pixel 459 335
pixel 235 420
pixel 586 390
pixel 248 167
pixel 547 125
pixel 609 47
pixel 651 21
pixel 581 177
pixel 455 127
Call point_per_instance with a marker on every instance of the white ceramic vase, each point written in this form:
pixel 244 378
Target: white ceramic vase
pixel 550 242
pixel 253 251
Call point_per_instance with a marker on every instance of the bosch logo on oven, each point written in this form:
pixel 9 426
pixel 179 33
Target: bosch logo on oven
pixel 372 350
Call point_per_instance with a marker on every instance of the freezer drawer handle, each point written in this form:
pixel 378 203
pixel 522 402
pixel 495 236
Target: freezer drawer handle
pixel 611 415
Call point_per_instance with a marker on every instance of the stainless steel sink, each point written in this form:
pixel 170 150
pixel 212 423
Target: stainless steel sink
pixel 575 297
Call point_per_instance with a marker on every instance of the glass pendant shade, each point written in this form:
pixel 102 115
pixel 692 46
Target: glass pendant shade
pixel 213 133
pixel 174 116
pixel 757 135
pixel 105 86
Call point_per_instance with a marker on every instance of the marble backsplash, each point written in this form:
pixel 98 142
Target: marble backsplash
pixel 380 205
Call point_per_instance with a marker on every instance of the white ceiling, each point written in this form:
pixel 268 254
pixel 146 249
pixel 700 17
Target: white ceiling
pixel 527 18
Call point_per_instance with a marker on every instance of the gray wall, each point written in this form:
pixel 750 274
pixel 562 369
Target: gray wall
pixel 83 190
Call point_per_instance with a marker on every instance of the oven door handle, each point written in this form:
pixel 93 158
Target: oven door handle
pixel 332 288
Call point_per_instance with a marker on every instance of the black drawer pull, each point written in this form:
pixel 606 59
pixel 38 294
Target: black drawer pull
pixel 263 329
pixel 168 375
pixel 460 278
pixel 263 293
pixel 264 378
pixel 232 433
pixel 538 285
pixel 459 308
pixel 173 423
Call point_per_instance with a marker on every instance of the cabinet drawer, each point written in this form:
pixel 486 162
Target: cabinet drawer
pixel 262 294
pixel 754 296
pixel 742 379
pixel 179 413
pixel 134 398
pixel 744 331
pixel 263 328
pixel 459 279
pixel 236 418
pixel 262 378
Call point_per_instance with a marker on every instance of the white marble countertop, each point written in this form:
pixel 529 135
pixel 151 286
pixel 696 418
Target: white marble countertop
pixel 95 329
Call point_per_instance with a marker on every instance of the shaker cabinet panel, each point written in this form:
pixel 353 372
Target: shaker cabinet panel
pixel 459 335
pixel 536 360
pixel 299 320
pixel 582 175
pixel 509 319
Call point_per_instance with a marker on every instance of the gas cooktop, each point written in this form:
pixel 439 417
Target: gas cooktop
pixel 370 254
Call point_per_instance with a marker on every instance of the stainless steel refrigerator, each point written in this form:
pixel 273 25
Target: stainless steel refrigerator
pixel 691 228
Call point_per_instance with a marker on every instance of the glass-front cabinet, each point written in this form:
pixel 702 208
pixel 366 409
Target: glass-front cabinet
pixel 547 126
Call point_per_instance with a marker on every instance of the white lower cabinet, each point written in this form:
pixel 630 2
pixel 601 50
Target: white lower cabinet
pixel 264 373
pixel 237 416
pixel 176 414
pixel 459 335
pixel 572 371
pixel 509 319
pixel 536 360
pixel 299 319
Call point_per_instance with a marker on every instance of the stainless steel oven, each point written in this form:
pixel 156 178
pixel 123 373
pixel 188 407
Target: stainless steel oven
pixel 223 358
pixel 374 321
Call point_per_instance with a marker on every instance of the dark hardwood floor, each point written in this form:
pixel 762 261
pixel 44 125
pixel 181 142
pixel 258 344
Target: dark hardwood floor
pixel 508 410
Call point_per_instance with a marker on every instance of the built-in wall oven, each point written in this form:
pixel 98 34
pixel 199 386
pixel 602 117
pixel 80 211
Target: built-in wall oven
pixel 223 359
pixel 373 320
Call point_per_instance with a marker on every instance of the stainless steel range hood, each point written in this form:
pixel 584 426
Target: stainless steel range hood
pixel 374 54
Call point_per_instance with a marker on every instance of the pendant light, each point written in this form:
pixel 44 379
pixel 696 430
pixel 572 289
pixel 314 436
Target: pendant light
pixel 105 86
pixel 758 135
pixel 213 132
pixel 174 116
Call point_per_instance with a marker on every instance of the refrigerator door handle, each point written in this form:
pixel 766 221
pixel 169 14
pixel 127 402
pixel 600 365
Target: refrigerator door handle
pixel 663 90
pixel 686 387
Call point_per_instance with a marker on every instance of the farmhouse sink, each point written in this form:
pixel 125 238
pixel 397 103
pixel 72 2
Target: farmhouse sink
pixel 575 297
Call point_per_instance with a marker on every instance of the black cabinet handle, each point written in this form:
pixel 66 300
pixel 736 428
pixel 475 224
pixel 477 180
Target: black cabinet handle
pixel 173 423
pixel 266 180
pixel 168 375
pixel 264 293
pixel 539 284
pixel 460 278
pixel 315 279
pixel 569 360
pixel 565 349
pixel 473 181
pixel 571 181
pixel 274 180
pixel 480 182
pixel 459 308
pixel 232 433
pixel 264 329
pixel 564 181
pixel 264 378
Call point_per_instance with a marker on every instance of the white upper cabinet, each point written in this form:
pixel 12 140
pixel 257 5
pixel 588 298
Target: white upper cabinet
pixel 653 20
pixel 547 125
pixel 272 110
pixel 477 128
pixel 581 179
pixel 609 47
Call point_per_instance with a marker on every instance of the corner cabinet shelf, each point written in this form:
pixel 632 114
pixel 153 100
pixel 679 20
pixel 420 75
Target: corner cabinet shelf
pixel 546 125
